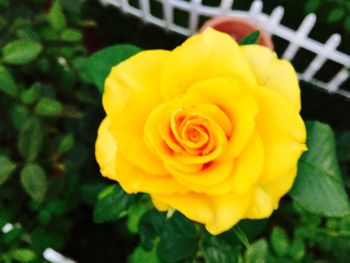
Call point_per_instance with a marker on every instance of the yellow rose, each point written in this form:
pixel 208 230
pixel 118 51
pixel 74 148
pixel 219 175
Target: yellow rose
pixel 211 129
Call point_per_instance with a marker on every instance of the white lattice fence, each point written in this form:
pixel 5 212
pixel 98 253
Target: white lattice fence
pixel 298 39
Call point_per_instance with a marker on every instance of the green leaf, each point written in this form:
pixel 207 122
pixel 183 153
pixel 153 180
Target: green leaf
pixel 279 241
pixel 257 252
pixel 30 139
pixel 241 236
pixel 21 51
pixel 42 239
pixel 7 82
pixel 56 17
pixel 347 24
pixel 318 187
pixel 19 115
pixel 13 235
pixel 30 95
pixel 65 144
pixel 150 227
pixel 252 228
pixel 4 3
pixel 216 250
pixel 178 240
pixel 142 255
pixel 135 214
pixel 33 179
pixel 89 191
pixel 48 107
pixel 312 6
pixel 6 168
pixel 23 255
pixel 99 64
pixel 297 250
pixel 71 35
pixel 111 204
pixel 252 38
pixel 335 15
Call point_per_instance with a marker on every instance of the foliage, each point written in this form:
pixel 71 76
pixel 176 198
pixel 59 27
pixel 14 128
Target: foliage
pixel 250 39
pixel 45 153
pixel 50 185
pixel 336 11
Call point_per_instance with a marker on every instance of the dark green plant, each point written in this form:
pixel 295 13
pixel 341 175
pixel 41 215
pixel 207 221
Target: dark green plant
pixel 45 150
pixel 336 11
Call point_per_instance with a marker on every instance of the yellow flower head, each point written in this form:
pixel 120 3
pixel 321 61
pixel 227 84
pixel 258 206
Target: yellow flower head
pixel 210 129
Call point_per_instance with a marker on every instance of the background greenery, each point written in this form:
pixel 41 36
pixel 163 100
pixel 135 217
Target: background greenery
pixel 50 186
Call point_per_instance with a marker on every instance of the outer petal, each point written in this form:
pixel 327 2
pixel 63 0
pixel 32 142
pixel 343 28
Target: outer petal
pixel 210 180
pixel 267 196
pixel 105 150
pixel 261 206
pixel 271 72
pixel 218 213
pixel 249 166
pixel 282 132
pixel 131 92
pixel 134 180
pixel 237 176
pixel 230 209
pixel 278 188
pixel 211 54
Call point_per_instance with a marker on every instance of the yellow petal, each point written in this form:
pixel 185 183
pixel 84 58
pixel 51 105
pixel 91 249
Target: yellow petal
pixel 155 142
pixel 132 76
pixel 266 197
pixel 210 180
pixel 162 207
pixel 105 150
pixel 261 205
pixel 197 207
pixel 282 132
pixel 131 92
pixel 279 187
pixel 249 166
pixel 235 100
pixel 229 210
pixel 134 180
pixel 159 140
pixel 219 213
pixel 273 73
pixel 211 54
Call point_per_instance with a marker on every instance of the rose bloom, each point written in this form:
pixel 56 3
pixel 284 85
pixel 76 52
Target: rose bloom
pixel 211 129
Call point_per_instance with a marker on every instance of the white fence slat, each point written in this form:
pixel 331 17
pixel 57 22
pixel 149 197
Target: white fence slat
pixel 145 8
pixel 115 3
pixel 168 14
pixel 331 44
pixel 275 19
pixel 225 7
pixel 54 257
pixel 125 5
pixel 255 9
pixel 301 34
pixel 298 39
pixel 338 79
pixel 108 2
pixel 194 19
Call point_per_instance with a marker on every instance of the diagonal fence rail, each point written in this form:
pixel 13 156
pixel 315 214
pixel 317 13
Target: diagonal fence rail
pixel 297 39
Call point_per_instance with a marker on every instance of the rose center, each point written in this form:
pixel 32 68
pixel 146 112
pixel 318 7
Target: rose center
pixel 192 133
